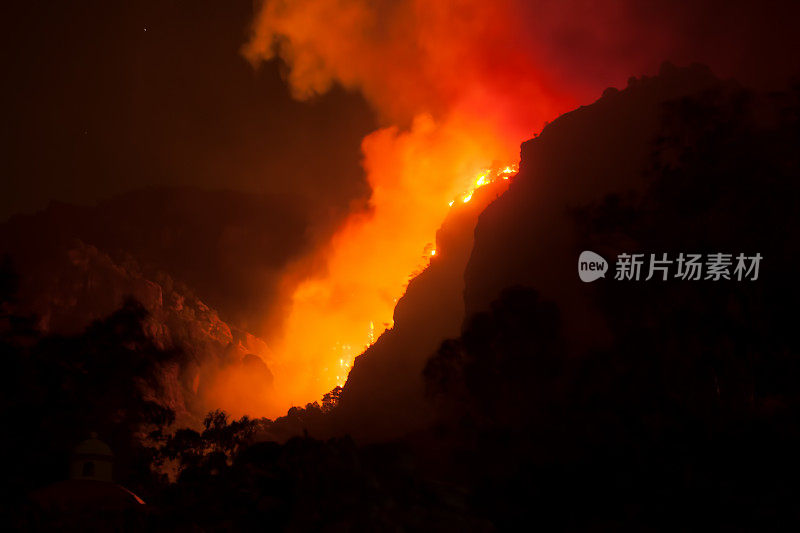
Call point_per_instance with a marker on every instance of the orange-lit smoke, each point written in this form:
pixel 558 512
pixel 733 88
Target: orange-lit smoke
pixel 457 94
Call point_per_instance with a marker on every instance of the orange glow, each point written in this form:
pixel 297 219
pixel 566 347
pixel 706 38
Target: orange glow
pixel 485 178
pixel 454 73
pixel 370 259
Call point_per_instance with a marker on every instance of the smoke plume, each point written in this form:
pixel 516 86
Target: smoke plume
pixel 457 86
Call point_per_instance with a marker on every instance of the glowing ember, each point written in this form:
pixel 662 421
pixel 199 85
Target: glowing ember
pixel 485 178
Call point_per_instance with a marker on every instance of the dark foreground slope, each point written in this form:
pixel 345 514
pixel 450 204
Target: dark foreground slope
pixel 651 404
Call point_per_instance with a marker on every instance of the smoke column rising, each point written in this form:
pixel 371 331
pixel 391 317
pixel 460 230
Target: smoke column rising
pixel 457 86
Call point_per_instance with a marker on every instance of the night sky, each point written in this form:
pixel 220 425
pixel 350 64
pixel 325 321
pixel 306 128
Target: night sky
pixel 104 97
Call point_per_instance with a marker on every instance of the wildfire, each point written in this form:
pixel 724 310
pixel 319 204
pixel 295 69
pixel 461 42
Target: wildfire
pixel 485 178
pixel 369 266
pixel 347 355
pixel 444 129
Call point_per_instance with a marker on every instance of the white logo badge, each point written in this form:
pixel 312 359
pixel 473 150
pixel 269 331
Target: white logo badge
pixel 591 266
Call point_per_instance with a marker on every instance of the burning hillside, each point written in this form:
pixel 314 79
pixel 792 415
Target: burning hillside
pixel 368 265
pixel 445 133
pixel 456 87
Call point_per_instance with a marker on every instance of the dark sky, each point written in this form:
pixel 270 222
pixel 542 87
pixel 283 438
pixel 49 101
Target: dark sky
pixel 102 97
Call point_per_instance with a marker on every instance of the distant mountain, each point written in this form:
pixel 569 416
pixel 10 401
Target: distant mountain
pixel 205 265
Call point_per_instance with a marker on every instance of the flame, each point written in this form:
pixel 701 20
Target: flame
pixel 485 178
pixel 370 261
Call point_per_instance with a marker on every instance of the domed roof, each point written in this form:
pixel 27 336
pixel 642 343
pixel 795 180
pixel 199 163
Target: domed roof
pixel 93 446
